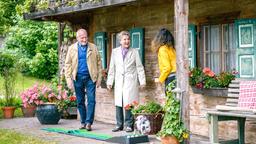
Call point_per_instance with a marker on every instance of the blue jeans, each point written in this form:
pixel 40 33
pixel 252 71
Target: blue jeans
pixel 82 83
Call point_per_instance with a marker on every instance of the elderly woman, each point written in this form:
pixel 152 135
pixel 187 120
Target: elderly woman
pixel 126 72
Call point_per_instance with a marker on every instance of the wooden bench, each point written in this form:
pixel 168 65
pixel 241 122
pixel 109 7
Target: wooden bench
pixel 228 112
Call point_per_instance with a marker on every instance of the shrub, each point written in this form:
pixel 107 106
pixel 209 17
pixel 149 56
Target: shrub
pixel 150 107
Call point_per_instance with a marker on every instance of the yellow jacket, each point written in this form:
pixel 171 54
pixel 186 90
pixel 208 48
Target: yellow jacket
pixel 166 61
pixel 93 62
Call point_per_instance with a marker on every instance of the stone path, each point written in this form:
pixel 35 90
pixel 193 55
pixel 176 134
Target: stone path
pixel 31 126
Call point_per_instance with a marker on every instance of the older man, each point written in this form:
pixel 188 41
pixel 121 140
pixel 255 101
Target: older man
pixel 83 72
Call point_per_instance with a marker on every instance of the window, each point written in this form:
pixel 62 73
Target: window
pixel 192 45
pixel 100 41
pixel 137 41
pixel 115 40
pixel 219 47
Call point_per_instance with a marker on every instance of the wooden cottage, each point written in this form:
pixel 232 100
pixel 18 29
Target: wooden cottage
pixel 221 36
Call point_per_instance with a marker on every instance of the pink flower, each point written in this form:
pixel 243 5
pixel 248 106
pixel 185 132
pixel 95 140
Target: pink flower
pixel 207 71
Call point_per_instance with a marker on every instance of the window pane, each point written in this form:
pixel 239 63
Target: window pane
pixel 231 62
pixel 219 43
pixel 215 62
pixel 206 38
pixel 136 40
pixel 215 38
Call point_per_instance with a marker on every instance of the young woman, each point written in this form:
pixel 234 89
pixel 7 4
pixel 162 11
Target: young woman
pixel 163 45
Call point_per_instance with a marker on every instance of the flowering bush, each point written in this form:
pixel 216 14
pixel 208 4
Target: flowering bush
pixel 67 98
pixel 37 95
pixel 30 96
pixel 206 78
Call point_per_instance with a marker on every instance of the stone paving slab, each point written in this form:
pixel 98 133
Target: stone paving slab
pixel 31 126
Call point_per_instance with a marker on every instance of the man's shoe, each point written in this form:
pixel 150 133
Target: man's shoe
pixel 88 127
pixel 83 126
pixel 117 129
pixel 129 129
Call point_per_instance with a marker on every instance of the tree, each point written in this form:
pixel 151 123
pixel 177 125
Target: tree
pixel 8 14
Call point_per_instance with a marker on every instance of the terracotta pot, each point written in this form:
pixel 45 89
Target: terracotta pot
pixel 169 140
pixel 8 112
pixel 29 111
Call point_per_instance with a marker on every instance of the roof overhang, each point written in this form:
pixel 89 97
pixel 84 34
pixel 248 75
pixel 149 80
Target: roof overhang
pixel 61 14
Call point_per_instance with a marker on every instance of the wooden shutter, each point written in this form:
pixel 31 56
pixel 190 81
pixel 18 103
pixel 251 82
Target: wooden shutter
pixel 100 40
pixel 192 45
pixel 137 41
pixel 246 47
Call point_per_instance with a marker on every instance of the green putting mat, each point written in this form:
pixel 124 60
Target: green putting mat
pixel 80 133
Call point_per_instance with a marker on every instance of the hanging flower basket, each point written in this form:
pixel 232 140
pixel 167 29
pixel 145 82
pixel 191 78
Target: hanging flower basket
pixel 215 91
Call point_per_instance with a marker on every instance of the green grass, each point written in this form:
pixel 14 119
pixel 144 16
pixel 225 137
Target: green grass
pixel 12 137
pixel 23 82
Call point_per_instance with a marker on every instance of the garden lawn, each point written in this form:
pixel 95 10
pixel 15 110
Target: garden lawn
pixel 23 82
pixel 12 137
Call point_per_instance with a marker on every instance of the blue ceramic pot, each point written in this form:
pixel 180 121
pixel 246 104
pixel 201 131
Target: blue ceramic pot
pixel 48 114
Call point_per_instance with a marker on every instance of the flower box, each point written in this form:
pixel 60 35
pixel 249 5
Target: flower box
pixel 215 91
pixel 196 90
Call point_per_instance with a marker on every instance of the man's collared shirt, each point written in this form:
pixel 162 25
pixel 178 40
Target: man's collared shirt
pixel 82 60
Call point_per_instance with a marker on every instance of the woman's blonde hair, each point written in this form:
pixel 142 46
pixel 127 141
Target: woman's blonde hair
pixel 163 37
pixel 123 33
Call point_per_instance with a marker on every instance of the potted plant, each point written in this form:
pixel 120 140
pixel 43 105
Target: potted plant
pixel 8 73
pixel 206 82
pixel 67 102
pixel 30 98
pixel 152 111
pixel 172 130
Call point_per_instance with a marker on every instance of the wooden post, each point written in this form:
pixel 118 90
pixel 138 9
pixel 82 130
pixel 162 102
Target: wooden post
pixel 61 28
pixel 181 46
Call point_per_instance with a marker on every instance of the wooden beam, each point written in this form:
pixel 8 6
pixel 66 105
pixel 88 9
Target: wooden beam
pixel 61 28
pixel 181 45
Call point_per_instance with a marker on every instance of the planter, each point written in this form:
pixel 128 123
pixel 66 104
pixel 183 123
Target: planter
pixel 155 121
pixel 215 92
pixel 29 111
pixel 69 113
pixel 48 114
pixel 72 110
pixel 196 90
pixel 8 112
pixel 169 140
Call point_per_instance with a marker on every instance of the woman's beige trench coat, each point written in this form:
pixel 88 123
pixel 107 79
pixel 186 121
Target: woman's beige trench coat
pixel 126 75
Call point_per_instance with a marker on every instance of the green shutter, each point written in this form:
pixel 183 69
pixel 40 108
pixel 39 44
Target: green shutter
pixel 192 45
pixel 137 41
pixel 100 39
pixel 246 47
